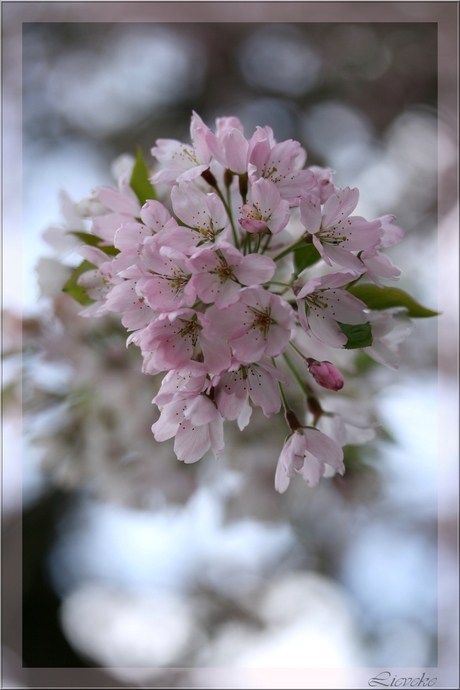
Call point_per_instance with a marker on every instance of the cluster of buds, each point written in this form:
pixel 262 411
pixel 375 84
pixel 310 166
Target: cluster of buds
pixel 212 285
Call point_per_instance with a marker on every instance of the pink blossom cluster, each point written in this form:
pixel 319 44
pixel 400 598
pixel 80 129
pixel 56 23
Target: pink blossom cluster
pixel 208 289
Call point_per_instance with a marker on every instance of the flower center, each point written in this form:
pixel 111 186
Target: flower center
pixel 262 320
pixel 191 329
pixel 178 282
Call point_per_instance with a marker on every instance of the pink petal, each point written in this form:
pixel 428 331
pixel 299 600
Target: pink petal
pixel 217 355
pixel 310 213
pixel 255 269
pixel 235 149
pixel 339 206
pixel 118 202
pixel 312 469
pixel 216 435
pixel 191 442
pixel 326 329
pixel 281 479
pixel 343 257
pixel 200 410
pixel 324 448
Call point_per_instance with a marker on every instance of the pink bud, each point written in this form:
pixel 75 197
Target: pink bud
pixel 326 374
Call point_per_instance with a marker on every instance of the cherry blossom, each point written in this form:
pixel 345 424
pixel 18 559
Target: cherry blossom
pixel 116 207
pixel 165 284
pixel 124 298
pixel 324 184
pixel 172 338
pixel 265 210
pixel 322 304
pixel 389 330
pixel 219 272
pixel 204 213
pixel 98 281
pixel 229 146
pixel 259 323
pixel 281 163
pixel 334 232
pixel 183 161
pixel 307 452
pixel 240 383
pixel 155 217
pixel 214 309
pixel 195 423
pixel 377 264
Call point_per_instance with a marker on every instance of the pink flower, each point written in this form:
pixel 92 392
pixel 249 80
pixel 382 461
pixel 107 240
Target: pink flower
pixel 195 423
pixel 281 163
pixel 229 146
pixel 155 218
pixel 166 283
pixel 120 207
pixel 325 374
pixel 218 273
pixel 389 329
pixel 258 382
pixel 335 233
pixel 124 298
pixel 307 452
pixel 324 184
pixel 204 213
pixel 322 304
pixel 260 323
pixel 392 234
pixel 191 378
pixel 171 340
pixel 182 161
pixel 378 265
pixel 265 210
pixel 98 281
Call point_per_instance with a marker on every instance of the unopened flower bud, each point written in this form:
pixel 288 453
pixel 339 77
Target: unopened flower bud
pixel 325 374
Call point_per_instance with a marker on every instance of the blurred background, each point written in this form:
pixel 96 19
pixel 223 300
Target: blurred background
pixel 164 574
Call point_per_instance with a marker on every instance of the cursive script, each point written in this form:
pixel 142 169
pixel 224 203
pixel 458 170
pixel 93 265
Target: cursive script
pixel 386 680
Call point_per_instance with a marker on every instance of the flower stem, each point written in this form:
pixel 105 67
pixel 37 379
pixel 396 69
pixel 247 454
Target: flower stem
pixel 296 374
pixel 280 386
pixel 275 282
pixel 228 209
pixel 294 347
pixel 265 247
pixel 283 397
pixel 307 388
pixel 289 249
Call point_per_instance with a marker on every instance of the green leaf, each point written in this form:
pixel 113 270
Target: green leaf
pixel 305 256
pixel 358 336
pixel 77 291
pixel 93 241
pixel 384 298
pixel 140 182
